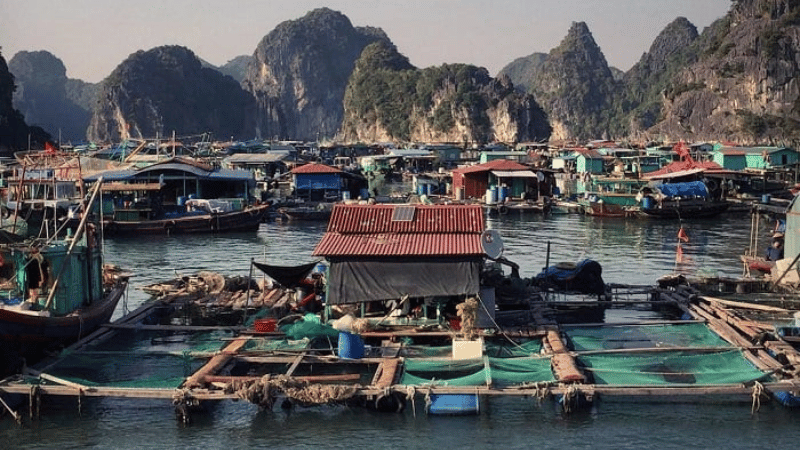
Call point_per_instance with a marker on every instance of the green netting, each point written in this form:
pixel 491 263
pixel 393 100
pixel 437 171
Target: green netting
pixel 149 341
pixel 643 336
pixel 310 327
pixel 666 368
pixel 126 370
pixel 261 345
pixel 501 371
pixel 503 349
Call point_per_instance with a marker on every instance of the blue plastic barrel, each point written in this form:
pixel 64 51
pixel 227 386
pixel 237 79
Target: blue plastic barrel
pixel 181 201
pixel 504 193
pixel 765 199
pixel 351 346
pixel 647 203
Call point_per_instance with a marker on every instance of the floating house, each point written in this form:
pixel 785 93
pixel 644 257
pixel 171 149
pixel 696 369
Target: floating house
pixel 316 182
pixel 446 155
pixel 431 254
pixel 151 199
pixel 589 161
pixel 262 165
pixel 474 181
pixel 742 158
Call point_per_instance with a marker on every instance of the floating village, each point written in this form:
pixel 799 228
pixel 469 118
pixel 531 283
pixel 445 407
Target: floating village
pixel 409 302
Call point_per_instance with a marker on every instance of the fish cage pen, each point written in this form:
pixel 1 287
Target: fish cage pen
pixel 689 347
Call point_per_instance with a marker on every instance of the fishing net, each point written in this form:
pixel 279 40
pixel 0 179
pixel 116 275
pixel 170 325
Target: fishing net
pixel 267 345
pixel 667 368
pixel 498 372
pixel 121 370
pixel 503 349
pixel 643 336
pixel 310 327
pixel 139 358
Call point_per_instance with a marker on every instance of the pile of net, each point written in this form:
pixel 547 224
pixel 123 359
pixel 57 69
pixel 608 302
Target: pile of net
pixel 267 389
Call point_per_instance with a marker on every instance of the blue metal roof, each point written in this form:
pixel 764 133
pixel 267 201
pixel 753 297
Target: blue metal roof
pixel 216 174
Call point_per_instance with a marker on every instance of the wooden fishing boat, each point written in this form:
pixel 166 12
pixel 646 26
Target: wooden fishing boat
pixel 602 209
pixel 55 292
pixel 248 219
pixel 319 212
pixel 681 200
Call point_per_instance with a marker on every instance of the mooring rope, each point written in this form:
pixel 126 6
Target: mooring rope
pixel 411 392
pixel 569 395
pixel 758 389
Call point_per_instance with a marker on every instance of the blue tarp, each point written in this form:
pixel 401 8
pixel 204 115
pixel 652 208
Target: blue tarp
pixel 688 189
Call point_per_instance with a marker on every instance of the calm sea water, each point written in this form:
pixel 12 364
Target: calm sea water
pixel 630 251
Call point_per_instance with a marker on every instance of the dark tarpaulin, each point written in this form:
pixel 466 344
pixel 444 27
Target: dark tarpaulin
pixel 362 281
pixel 287 276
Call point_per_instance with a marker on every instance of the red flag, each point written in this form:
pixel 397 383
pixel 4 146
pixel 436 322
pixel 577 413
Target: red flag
pixel 682 236
pixel 49 148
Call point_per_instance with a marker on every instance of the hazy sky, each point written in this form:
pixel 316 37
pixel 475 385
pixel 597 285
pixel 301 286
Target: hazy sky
pixel 92 37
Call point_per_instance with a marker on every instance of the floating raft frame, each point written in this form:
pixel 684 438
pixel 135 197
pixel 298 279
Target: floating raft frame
pixel 377 377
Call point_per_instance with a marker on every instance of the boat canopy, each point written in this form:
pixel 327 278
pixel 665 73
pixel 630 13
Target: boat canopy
pixel 688 189
pixel 368 280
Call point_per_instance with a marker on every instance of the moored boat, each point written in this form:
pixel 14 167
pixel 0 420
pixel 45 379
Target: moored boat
pixel 681 200
pixel 54 292
pixel 177 196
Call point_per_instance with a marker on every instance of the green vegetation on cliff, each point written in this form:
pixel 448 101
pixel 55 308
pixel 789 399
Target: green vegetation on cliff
pixel 386 89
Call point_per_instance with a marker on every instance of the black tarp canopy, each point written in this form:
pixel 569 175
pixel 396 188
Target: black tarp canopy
pixel 368 280
pixel 287 276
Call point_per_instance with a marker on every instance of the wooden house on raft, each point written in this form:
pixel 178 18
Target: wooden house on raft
pixel 408 264
pixel 474 181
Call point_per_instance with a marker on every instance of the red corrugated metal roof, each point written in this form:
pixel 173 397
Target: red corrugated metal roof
pixel 426 219
pixel 434 230
pixel 315 168
pixel 495 164
pixel 398 244
pixel 682 166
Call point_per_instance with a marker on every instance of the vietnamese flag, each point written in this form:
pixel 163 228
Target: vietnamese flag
pixel 682 236
pixel 49 148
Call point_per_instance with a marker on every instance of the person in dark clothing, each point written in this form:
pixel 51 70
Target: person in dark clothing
pixel 775 251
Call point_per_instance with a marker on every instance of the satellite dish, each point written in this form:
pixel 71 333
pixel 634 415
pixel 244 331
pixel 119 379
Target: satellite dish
pixel 492 244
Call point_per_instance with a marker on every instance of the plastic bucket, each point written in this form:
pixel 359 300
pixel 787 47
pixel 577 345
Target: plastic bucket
pixel 351 346
pixel 265 325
